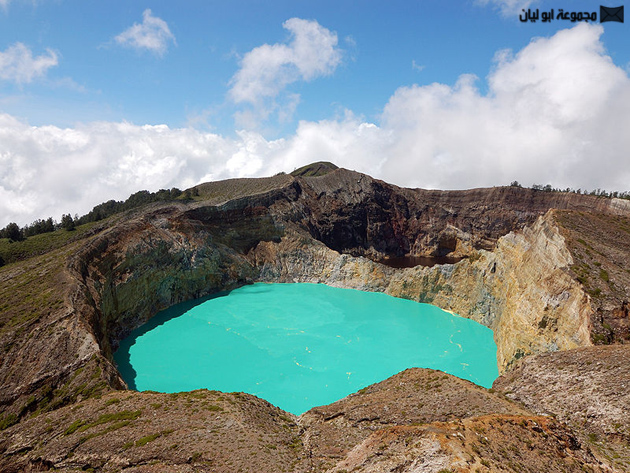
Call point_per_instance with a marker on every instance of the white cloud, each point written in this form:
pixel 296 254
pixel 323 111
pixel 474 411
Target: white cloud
pixel 417 67
pixel 18 65
pixel 554 113
pixel 267 70
pixel 46 171
pixel 153 35
pixel 550 115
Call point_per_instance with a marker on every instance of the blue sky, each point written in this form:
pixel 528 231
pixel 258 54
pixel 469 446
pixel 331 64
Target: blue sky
pixel 101 99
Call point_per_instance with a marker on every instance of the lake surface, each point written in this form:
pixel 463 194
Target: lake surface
pixel 300 345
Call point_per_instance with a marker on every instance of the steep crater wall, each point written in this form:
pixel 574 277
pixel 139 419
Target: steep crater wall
pixel 514 279
pixel 540 278
pixel 355 214
pixel 521 290
pixel 160 259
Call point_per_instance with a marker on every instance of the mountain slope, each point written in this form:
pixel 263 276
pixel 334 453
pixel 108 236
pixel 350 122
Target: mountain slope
pixel 546 271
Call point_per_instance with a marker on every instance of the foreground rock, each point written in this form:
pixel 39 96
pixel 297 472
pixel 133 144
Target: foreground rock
pixel 488 443
pixel 418 420
pixel 411 398
pixel 133 432
pixel 588 388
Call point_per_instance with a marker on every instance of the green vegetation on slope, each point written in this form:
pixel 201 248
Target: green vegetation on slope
pixel 49 234
pixel 12 251
pixel 320 168
pixel 29 290
pixel 111 207
pixel 218 192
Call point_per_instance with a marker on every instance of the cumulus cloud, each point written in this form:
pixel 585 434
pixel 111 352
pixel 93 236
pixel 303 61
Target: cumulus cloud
pixel 18 65
pixel 508 7
pixel 267 70
pixel 153 34
pixel 552 114
pixel 46 171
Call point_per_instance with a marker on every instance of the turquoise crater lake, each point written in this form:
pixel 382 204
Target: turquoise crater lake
pixel 300 345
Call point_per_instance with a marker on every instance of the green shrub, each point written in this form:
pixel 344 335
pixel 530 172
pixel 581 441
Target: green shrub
pixel 76 425
pixel 147 439
pixel 7 421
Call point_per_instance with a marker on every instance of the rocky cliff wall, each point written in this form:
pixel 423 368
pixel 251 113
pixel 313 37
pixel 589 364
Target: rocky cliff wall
pixel 600 247
pixel 514 277
pixel 353 213
pixel 521 287
pixel 152 262
pixel 522 290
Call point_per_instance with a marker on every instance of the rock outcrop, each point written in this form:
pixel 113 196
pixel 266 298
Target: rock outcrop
pixel 133 432
pixel 600 246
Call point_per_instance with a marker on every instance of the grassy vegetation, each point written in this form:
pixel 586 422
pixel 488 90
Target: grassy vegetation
pixel 72 428
pixel 41 244
pixel 111 428
pixel 221 191
pixel 31 290
pixel 120 417
pixel 149 438
pixel 320 168
pixel 7 421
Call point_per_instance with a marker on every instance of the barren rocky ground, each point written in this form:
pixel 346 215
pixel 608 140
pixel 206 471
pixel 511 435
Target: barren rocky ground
pixel 418 420
pixel 600 245
pixel 586 388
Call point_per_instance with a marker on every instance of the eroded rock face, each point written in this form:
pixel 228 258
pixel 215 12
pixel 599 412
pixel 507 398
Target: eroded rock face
pixel 517 276
pixel 411 398
pixel 489 443
pixel 132 271
pixel 355 214
pixel 521 290
pixel 600 246
pixel 313 229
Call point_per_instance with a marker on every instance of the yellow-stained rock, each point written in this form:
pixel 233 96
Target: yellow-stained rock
pixel 522 290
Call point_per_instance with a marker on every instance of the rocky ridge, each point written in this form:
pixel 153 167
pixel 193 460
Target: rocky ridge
pixel 520 275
